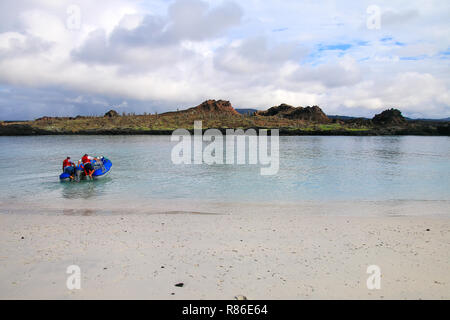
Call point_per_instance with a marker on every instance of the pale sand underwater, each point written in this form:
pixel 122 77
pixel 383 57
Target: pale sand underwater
pixel 278 255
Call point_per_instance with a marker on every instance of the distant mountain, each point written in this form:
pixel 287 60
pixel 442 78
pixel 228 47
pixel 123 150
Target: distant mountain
pixel 344 118
pixel 246 111
pixel 431 120
pixel 337 117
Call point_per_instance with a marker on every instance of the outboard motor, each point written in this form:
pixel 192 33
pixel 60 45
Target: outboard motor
pixel 99 164
pixel 78 172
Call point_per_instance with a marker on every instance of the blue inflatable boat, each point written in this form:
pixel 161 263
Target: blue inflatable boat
pixel 102 167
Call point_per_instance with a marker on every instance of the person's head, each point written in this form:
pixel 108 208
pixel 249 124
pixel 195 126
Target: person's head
pixel 85 155
pixel 68 158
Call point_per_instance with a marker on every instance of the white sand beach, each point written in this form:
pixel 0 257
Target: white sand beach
pixel 218 256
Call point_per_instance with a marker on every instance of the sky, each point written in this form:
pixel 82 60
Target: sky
pixel 68 58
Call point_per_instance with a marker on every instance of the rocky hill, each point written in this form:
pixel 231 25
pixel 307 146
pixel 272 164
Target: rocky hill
pixel 313 114
pixel 389 117
pixel 111 114
pixel 212 106
pixel 277 110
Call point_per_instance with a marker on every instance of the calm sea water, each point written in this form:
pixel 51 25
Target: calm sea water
pixel 311 168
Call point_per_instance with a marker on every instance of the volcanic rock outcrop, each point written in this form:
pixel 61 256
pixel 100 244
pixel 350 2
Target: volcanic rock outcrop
pixel 389 117
pixel 111 114
pixel 313 113
pixel 214 106
pixel 277 110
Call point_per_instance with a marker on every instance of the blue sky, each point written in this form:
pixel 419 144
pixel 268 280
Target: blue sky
pixel 353 58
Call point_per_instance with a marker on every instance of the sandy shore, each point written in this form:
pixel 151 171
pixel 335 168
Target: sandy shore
pixel 265 256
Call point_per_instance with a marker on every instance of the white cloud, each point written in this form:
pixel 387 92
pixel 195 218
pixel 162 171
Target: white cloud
pixel 184 51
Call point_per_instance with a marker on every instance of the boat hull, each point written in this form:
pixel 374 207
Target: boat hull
pixel 99 173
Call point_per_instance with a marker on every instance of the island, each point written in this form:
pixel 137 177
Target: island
pixel 220 114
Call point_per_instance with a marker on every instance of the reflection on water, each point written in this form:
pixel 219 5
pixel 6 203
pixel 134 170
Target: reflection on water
pixel 390 149
pixel 84 189
pixel 311 168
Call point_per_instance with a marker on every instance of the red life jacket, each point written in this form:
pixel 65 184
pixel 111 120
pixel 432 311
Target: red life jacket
pixel 85 159
pixel 67 163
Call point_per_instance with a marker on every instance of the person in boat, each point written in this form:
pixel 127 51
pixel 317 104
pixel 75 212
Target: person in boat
pixel 68 167
pixel 87 165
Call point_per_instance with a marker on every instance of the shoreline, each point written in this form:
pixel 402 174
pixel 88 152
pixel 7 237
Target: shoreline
pixel 12 132
pixel 260 256
pixel 263 253
pixel 154 206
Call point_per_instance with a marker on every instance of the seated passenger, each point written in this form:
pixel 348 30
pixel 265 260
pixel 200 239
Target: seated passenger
pixel 88 167
pixel 68 167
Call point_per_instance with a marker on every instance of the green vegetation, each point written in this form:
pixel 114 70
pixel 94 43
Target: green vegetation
pixel 333 126
pixel 172 121
pixel 165 123
pixel 339 126
pixel 358 129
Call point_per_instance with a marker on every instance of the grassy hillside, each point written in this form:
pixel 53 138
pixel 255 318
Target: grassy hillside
pixel 174 121
pixel 221 118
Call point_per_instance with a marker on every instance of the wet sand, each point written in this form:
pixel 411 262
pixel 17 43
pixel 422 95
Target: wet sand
pixel 219 256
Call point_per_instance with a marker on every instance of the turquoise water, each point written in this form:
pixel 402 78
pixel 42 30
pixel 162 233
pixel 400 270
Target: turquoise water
pixel 311 168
